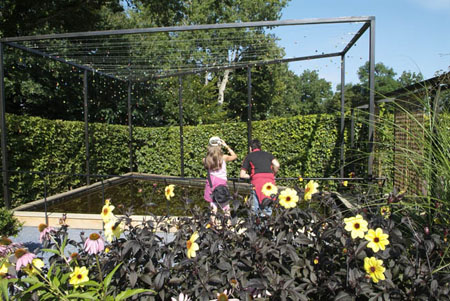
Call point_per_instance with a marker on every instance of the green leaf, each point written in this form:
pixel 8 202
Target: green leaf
pixel 64 277
pixel 87 295
pixel 4 289
pixel 34 287
pixel 30 280
pixel 55 281
pixel 131 292
pixel 108 278
pixel 91 283
pixel 52 251
pixel 63 245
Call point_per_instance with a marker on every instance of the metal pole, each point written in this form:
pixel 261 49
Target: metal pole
pixel 352 129
pixel 249 105
pixel 180 107
pixel 86 124
pixel 45 199
pixel 3 128
pixel 189 28
pixel 130 126
pixel 342 163
pixel 371 97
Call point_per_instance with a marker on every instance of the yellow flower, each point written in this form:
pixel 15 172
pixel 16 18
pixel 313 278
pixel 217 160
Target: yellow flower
pixel 79 276
pixel 316 260
pixel 113 229
pixel 269 189
pixel 345 183
pixel 377 239
pixel 374 267
pixel 300 178
pixel 192 246
pixel 357 225
pixel 288 198
pixel 4 268
pixel 35 267
pixel 107 210
pixel 169 191
pixel 310 189
pixel 385 211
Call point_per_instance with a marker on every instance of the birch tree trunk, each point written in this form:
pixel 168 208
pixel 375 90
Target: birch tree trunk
pixel 222 85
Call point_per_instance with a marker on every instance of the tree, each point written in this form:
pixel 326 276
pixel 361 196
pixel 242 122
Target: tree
pixel 408 78
pixel 384 79
pixel 312 93
pixel 42 87
pixel 353 96
pixel 38 86
pixel 213 12
pixel 212 48
pixel 43 17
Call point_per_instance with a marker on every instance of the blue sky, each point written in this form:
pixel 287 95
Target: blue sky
pixel 410 35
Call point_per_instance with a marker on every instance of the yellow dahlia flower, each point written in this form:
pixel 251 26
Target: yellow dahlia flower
pixel 357 225
pixel 288 198
pixel 169 191
pixel 377 239
pixel 374 267
pixel 310 189
pixel 192 246
pixel 79 276
pixel 107 211
pixel 269 189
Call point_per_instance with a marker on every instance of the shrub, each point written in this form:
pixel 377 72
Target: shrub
pixel 294 254
pixel 9 225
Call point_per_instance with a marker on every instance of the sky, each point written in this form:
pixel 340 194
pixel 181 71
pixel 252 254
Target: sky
pixel 410 35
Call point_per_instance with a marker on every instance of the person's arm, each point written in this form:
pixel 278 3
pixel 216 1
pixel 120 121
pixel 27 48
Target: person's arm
pixel 232 155
pixel 275 166
pixel 244 174
pixel 244 169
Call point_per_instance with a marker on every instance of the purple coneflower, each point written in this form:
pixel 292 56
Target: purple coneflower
pixel 45 231
pixel 94 244
pixel 5 244
pixel 73 256
pixel 24 258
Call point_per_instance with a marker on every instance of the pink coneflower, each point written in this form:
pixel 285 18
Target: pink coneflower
pixel 7 246
pixel 94 244
pixel 5 242
pixel 73 256
pixel 45 231
pixel 24 258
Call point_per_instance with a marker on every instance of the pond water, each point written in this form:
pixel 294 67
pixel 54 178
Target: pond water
pixel 142 196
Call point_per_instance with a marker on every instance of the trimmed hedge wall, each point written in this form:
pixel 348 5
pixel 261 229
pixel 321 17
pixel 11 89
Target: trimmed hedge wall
pixel 304 145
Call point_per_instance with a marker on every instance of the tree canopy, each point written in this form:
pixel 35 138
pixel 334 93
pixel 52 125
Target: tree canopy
pixel 41 87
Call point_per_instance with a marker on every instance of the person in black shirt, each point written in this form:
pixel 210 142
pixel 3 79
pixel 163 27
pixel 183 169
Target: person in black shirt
pixel 260 167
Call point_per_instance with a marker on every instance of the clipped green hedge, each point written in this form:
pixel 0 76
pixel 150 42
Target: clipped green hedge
pixel 304 145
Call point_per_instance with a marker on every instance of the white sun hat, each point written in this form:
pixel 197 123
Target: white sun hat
pixel 214 141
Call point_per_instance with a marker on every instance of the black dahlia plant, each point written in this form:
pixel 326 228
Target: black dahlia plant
pixel 380 251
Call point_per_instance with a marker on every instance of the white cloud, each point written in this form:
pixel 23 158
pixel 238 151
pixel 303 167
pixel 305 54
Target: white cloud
pixel 434 4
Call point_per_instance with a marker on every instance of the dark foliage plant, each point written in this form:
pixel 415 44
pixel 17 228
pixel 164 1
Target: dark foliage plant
pixel 294 254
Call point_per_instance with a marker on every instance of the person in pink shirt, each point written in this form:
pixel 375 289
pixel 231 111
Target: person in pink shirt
pixel 216 163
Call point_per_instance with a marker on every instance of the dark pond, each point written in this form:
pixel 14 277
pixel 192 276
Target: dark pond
pixel 143 197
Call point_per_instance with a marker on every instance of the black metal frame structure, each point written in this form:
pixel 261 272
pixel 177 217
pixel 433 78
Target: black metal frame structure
pixel 367 23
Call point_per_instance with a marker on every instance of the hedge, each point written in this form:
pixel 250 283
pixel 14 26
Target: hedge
pixel 304 145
